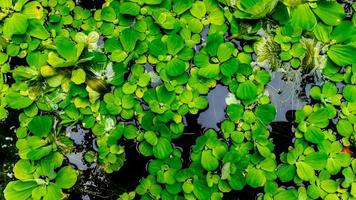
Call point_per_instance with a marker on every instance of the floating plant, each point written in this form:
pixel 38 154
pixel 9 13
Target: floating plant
pixel 177 99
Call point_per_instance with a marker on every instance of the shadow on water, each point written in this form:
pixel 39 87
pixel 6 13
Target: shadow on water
pixel 8 151
pixel 247 193
pixel 128 177
pixel 93 183
pixel 90 4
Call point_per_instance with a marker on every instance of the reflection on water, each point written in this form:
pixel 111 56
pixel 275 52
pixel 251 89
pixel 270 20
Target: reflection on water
pixel 215 113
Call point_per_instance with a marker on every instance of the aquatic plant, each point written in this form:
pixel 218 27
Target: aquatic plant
pixel 133 70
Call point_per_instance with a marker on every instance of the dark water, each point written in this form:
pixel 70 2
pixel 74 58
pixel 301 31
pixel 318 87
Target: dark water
pixel 8 151
pixel 215 113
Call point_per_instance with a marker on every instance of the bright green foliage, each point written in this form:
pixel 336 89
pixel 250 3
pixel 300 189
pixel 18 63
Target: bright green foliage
pixel 134 71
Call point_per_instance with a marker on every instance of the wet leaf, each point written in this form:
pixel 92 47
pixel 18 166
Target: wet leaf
pixel 40 126
pixel 342 54
pixel 15 25
pixel 208 161
pixel 66 177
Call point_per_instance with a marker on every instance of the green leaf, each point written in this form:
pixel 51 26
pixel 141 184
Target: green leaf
pixel 39 153
pixel 33 9
pixel 268 165
pixel 331 13
pixel 151 138
pixel 209 161
pixel 53 192
pixel 128 39
pixel 246 91
pixel 237 181
pixel 152 2
pixel 330 186
pixel 303 17
pixel 23 169
pixel 344 32
pixel 16 190
pixel 342 54
pixel 213 43
pixel 225 51
pixel 40 126
pixel 305 171
pixel 118 55
pixel 37 30
pixel 314 135
pixel 286 194
pixel 255 178
pixel 317 160
pixel 180 7
pixel 175 67
pixel 198 9
pixel 266 113
pixel 229 68
pixel 163 148
pixel 210 71
pixel 78 76
pixel 349 93
pixel 174 44
pixel 108 14
pixel 195 25
pixel 17 101
pixel 129 8
pixel 15 25
pixel 344 128
pixel 66 177
pixel 66 48
pixel 157 47
pixel 286 172
pixel 322 32
pixel 235 111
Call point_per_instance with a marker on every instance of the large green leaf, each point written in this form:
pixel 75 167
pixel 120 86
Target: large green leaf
pixel 265 113
pixel 344 128
pixel 33 10
pixel 349 93
pixel 40 126
pixel 174 44
pixel 163 148
pixel 17 101
pixel 15 25
pixel 66 177
pixel 255 178
pixel 108 14
pixel 246 91
pixel 211 71
pixel 314 135
pixel 17 190
pixel 305 171
pixel 331 13
pixel 37 30
pixel 303 17
pixel 53 192
pixel 65 48
pixel 317 160
pixel 286 172
pixel 128 39
pixel 152 2
pixel 342 54
pixel 209 161
pixel 175 67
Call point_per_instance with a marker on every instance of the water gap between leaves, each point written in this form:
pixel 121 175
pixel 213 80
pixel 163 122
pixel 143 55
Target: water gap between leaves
pixel 94 184
pixel 8 151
